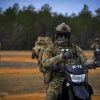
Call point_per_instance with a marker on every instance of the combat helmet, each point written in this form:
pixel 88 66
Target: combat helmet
pixel 63 30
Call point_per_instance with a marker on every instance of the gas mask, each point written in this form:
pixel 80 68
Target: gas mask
pixel 62 38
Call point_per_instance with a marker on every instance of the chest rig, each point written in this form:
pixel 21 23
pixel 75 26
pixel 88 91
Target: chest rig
pixel 66 48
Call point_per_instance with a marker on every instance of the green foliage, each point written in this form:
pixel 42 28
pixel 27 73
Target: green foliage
pixel 19 28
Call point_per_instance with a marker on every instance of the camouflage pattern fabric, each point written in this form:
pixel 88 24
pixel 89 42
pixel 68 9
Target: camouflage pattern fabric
pixel 63 28
pixel 95 45
pixel 54 55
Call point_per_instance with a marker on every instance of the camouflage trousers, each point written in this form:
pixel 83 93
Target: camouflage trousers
pixel 54 88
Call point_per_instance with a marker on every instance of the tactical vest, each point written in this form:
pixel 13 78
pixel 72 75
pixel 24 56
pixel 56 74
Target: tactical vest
pixel 57 50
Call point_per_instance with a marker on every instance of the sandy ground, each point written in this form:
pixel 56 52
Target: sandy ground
pixel 36 96
pixel 27 83
pixel 18 59
pixel 19 71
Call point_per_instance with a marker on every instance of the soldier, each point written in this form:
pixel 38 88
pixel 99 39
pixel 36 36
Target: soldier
pixel 57 55
pixel 96 47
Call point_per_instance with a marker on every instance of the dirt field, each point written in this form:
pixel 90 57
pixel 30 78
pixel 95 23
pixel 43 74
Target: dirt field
pixel 26 83
pixel 37 96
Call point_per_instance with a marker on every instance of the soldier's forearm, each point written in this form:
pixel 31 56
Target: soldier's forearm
pixel 53 60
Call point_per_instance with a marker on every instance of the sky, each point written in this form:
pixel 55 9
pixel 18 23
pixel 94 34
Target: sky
pixel 59 6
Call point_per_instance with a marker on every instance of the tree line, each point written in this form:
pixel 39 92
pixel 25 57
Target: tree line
pixel 19 28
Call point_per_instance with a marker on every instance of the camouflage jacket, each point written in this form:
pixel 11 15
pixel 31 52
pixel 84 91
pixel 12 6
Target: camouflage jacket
pixel 54 55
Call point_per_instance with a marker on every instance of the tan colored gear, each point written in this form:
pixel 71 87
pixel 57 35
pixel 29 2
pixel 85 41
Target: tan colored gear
pixel 63 28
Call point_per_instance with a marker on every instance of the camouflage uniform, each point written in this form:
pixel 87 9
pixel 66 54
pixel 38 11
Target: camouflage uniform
pixel 54 55
pixel 96 44
pixel 96 47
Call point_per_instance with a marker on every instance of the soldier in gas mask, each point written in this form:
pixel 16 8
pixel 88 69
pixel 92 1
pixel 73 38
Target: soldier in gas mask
pixel 63 52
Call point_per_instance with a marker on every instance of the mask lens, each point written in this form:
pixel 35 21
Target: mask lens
pixel 62 50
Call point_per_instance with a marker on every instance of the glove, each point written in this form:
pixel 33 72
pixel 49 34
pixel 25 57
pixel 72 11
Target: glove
pixel 67 55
